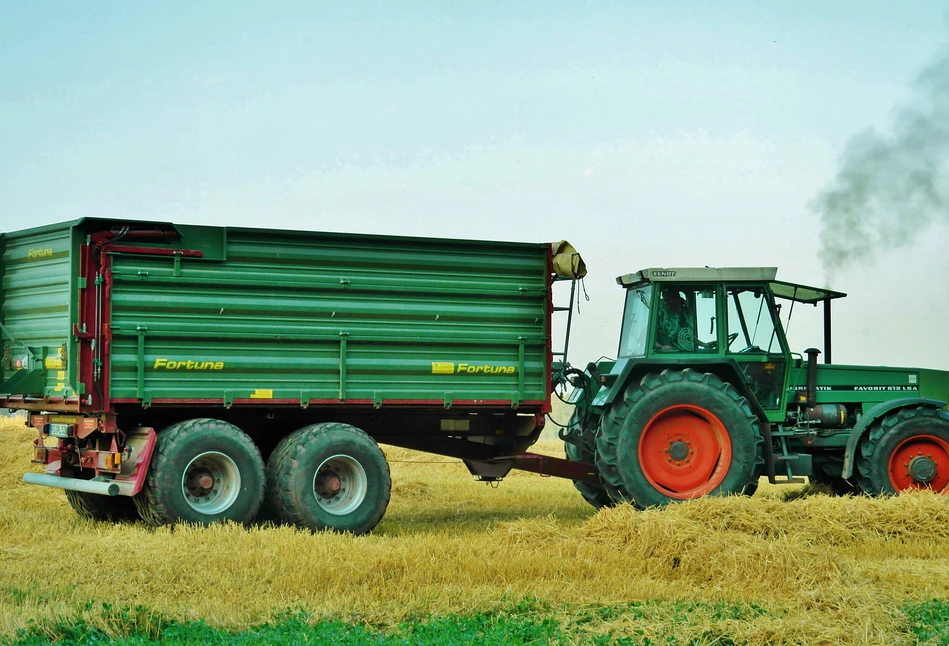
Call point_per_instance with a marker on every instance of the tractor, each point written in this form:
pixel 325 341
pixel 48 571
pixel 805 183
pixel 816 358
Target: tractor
pixel 705 397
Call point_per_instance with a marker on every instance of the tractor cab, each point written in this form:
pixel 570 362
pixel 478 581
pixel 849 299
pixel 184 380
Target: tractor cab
pixel 728 316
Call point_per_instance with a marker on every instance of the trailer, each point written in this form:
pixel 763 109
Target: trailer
pixel 183 373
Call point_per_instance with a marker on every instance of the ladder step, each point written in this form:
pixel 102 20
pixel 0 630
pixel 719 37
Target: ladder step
pixel 561 309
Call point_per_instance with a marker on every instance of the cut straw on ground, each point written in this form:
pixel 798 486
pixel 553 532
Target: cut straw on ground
pixel 755 570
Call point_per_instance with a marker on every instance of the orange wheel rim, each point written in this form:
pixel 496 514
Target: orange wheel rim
pixel 685 451
pixel 920 462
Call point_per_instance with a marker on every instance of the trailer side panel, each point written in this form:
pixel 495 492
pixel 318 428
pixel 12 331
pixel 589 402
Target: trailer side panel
pixel 310 318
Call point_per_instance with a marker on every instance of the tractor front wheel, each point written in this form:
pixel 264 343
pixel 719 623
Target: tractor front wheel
pixel 680 435
pixel 905 451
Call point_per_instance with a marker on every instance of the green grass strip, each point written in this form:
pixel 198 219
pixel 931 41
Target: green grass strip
pixel 522 623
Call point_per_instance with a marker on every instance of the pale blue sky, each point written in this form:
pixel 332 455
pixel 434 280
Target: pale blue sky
pixel 649 134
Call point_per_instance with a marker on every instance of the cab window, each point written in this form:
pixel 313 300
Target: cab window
pixel 751 327
pixel 635 322
pixel 686 320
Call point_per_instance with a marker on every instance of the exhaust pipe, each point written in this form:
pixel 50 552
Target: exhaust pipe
pixel 812 375
pixel 73 484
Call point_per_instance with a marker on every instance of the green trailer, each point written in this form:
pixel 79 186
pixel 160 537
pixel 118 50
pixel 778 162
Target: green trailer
pixel 706 396
pixel 194 373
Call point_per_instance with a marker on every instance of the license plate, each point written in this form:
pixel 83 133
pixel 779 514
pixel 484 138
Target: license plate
pixel 60 430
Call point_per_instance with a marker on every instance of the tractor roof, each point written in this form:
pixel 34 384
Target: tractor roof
pixel 781 289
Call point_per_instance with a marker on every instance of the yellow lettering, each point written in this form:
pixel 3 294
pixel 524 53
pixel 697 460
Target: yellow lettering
pixel 187 364
pixel 39 253
pixel 485 369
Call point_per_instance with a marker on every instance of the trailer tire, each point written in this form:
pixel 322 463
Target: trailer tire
pixel 98 507
pixel 679 435
pixel 585 451
pixel 907 449
pixel 203 471
pixel 329 476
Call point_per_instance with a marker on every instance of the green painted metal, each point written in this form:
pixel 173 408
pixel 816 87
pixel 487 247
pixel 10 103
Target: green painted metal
pixel 934 384
pixel 36 304
pixel 293 316
pixel 852 383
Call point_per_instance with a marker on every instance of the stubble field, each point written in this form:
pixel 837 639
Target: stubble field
pixel 456 561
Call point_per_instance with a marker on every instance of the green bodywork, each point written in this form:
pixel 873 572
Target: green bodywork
pixel 39 274
pixel 771 377
pixel 287 316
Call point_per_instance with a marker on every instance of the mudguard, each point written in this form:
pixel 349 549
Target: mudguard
pixel 873 415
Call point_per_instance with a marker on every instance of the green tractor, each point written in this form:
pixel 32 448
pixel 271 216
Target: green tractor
pixel 705 397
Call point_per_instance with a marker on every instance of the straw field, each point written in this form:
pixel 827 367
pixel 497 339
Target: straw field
pixel 456 561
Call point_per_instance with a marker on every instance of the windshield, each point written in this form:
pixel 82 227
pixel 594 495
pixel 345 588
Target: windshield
pixel 751 326
pixel 635 322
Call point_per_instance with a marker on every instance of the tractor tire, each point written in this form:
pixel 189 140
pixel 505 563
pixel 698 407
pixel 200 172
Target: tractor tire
pixel 329 476
pixel 585 451
pixel 203 471
pixel 679 435
pixel 906 450
pixel 98 507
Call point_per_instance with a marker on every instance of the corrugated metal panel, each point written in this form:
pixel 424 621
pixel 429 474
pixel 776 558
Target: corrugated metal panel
pixel 36 295
pixel 310 316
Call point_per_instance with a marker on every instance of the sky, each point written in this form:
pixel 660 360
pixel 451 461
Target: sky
pixel 649 134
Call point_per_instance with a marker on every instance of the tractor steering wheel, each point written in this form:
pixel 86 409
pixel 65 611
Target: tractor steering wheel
pixel 713 345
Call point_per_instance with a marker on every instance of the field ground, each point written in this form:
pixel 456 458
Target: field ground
pixel 457 561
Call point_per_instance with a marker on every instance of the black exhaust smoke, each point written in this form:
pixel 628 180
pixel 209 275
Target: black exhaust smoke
pixel 890 188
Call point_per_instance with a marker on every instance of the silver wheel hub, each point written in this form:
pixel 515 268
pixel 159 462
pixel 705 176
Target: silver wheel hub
pixel 922 468
pixel 211 483
pixel 340 485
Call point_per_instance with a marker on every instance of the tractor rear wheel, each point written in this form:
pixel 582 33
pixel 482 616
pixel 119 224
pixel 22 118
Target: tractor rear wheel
pixel 679 435
pixel 584 450
pixel 905 451
pixel 203 471
pixel 329 476
pixel 98 507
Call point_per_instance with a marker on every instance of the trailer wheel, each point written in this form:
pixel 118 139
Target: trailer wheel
pixel 585 452
pixel 329 476
pixel 98 507
pixel 680 435
pixel 904 451
pixel 203 471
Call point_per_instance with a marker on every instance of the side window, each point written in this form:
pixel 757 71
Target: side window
pixel 751 327
pixel 635 322
pixel 686 320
